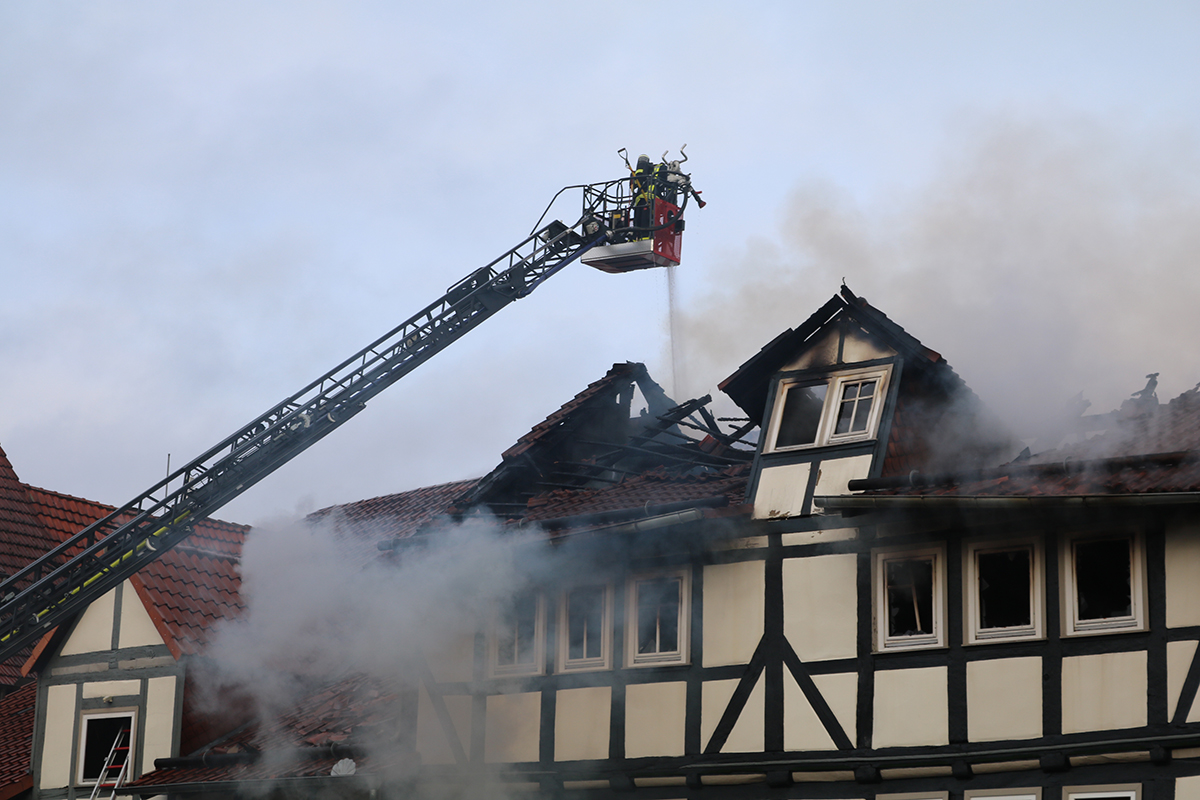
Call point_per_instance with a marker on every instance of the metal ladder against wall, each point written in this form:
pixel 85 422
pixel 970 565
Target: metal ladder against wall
pixel 119 751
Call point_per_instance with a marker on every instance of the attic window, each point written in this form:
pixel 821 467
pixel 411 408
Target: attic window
pixel 104 746
pixel 841 408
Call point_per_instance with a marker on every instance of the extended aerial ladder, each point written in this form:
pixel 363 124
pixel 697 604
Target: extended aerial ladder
pixel 81 569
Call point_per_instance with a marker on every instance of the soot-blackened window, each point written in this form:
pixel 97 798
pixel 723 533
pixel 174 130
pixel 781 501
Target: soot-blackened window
pixel 1103 579
pixel 910 598
pixel 800 420
pixel 1005 588
pixel 832 410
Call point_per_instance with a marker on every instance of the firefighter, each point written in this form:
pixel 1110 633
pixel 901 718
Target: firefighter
pixel 644 191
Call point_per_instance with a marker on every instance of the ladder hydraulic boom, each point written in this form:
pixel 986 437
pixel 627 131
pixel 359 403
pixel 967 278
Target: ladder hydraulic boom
pixel 85 566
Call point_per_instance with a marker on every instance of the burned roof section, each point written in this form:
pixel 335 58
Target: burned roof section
pixel 594 441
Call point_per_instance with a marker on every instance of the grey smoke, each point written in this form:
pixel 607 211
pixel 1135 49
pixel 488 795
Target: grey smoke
pixel 1042 257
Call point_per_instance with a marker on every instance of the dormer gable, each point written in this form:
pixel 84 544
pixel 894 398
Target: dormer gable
pixel 850 394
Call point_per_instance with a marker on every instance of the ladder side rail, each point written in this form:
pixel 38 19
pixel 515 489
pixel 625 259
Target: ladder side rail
pixel 127 548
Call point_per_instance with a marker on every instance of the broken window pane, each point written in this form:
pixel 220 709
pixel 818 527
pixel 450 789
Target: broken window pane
pixel 658 615
pixel 1102 578
pixel 801 416
pixel 1005 584
pixel 516 637
pixel 910 596
pixel 585 622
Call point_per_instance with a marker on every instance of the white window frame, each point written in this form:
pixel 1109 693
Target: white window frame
pixel 538 667
pixel 1037 590
pixel 604 661
pixel 1125 791
pixel 680 656
pixel 86 717
pixel 1136 620
pixel 829 412
pixel 880 559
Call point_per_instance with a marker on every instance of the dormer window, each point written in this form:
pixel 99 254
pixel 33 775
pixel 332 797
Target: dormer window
pixel 828 410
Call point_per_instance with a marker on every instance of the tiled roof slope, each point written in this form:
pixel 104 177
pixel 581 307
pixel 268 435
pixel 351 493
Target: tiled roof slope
pixel 23 538
pixel 394 516
pixel 187 589
pixel 1148 449
pixel 16 740
pixel 658 487
pixel 341 713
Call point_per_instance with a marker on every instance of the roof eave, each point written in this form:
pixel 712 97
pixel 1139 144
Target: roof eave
pixel 1006 502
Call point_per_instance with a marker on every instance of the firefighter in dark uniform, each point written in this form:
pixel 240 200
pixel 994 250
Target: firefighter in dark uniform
pixel 644 191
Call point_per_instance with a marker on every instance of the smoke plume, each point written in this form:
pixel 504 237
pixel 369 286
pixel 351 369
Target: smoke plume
pixel 1041 258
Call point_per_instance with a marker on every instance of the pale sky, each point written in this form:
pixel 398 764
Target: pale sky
pixel 203 206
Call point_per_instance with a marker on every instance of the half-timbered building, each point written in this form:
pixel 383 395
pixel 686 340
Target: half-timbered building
pixel 880 600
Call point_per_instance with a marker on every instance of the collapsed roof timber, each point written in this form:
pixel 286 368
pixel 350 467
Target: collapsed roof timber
pixel 861 589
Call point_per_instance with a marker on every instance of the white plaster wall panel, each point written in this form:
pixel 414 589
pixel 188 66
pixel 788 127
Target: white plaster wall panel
pixel 1004 699
pixel 137 629
pixel 94 631
pixel 1187 788
pixel 820 352
pixel 160 720
pixel 747 733
pixel 811 537
pixel 512 728
pixel 1183 575
pixel 432 741
pixel 453 661
pixel 1179 659
pixel 858 346
pixel 834 474
pixel 911 707
pixel 56 745
pixel 820 606
pixel 780 491
pixel 733 611
pixel 802 728
pixel 1118 678
pixel 840 691
pixel 112 688
pixel 581 723
pixel 654 719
